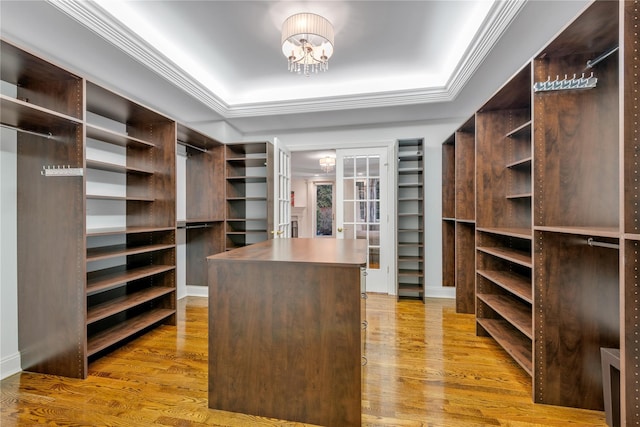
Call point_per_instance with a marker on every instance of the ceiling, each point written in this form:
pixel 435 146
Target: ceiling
pixel 207 63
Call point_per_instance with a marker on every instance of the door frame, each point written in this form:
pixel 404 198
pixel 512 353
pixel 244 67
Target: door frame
pixel 390 145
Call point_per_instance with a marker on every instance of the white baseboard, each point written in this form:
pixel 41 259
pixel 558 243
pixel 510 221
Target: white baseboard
pixel 430 292
pixel 197 291
pixel 440 292
pixel 10 365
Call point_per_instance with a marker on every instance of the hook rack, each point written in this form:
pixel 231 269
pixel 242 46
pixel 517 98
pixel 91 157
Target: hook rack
pixel 30 132
pixel 566 83
pixel 592 242
pixel 61 171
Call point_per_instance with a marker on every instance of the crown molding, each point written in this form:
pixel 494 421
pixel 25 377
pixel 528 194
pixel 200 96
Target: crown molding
pixel 113 31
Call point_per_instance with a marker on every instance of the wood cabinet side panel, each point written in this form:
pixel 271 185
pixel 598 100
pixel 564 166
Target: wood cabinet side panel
pixel 51 256
pixel 285 341
pixel 576 313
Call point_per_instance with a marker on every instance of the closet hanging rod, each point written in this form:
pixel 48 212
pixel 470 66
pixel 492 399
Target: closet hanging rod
pixel 186 144
pixel 593 62
pixel 30 132
pixel 191 227
pixel 592 242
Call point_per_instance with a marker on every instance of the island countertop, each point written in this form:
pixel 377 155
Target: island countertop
pixel 305 250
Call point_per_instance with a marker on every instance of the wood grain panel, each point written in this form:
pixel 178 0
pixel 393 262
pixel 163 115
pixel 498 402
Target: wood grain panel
pixel 448 179
pixel 205 185
pixel 465 248
pixel 448 253
pixel 465 175
pixel 51 251
pixel 285 341
pixel 577 312
pixel 577 147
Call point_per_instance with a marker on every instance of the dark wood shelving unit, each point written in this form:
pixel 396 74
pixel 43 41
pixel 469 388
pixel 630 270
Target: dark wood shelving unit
pixel 410 219
pixel 458 215
pixel 556 212
pixel 504 257
pixel 205 214
pixel 131 267
pixel 249 198
pixel 44 103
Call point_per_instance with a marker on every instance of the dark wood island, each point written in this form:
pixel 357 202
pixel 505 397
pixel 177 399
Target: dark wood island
pixel 285 330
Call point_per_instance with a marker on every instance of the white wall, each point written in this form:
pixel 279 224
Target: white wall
pixel 9 356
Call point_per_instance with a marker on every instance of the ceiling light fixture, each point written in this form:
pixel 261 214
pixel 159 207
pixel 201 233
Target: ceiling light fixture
pixel 327 164
pixel 307 42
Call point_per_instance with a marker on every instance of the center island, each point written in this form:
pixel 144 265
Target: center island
pixel 285 334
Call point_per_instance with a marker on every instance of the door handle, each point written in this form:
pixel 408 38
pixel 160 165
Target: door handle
pixel 339 229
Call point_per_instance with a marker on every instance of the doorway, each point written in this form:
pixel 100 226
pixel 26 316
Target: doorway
pixel 324 209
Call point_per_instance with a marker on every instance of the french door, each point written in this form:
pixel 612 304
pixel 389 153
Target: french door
pixel 362 211
pixel 282 191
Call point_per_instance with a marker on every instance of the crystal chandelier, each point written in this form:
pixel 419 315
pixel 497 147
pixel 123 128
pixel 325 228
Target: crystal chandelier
pixel 307 42
pixel 327 164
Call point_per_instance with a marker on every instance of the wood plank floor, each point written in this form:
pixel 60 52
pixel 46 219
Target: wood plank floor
pixel 425 367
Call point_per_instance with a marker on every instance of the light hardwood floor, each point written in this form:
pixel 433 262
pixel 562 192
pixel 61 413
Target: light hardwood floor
pixel 425 367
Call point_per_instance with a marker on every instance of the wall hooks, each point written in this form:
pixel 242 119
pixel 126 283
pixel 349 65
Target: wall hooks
pixel 566 83
pixel 61 171
pixel 592 242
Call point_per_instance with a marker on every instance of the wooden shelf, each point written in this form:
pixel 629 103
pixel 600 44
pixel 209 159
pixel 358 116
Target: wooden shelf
pixel 246 199
pixel 521 233
pixel 110 167
pixel 107 252
pixel 96 232
pixel 612 232
pixel 405 171
pixel 517 285
pixel 120 198
pixel 522 130
pixel 248 161
pixel 521 163
pixel 519 196
pixel 409 184
pixel 102 280
pixel 511 255
pixel 126 329
pixel 514 343
pixel 33 118
pixel 245 179
pixel 121 304
pixel 115 138
pixel 405 258
pixel 410 273
pixel 512 311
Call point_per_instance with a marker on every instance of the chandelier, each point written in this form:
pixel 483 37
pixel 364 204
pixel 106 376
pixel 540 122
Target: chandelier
pixel 307 43
pixel 327 164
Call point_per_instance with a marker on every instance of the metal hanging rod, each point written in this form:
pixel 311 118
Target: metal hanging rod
pixel 186 144
pixel 191 227
pixel 593 62
pixel 30 132
pixel 592 242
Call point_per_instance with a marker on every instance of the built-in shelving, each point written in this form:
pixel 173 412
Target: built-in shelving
pixel 410 219
pixel 203 224
pixel 556 217
pixel 249 199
